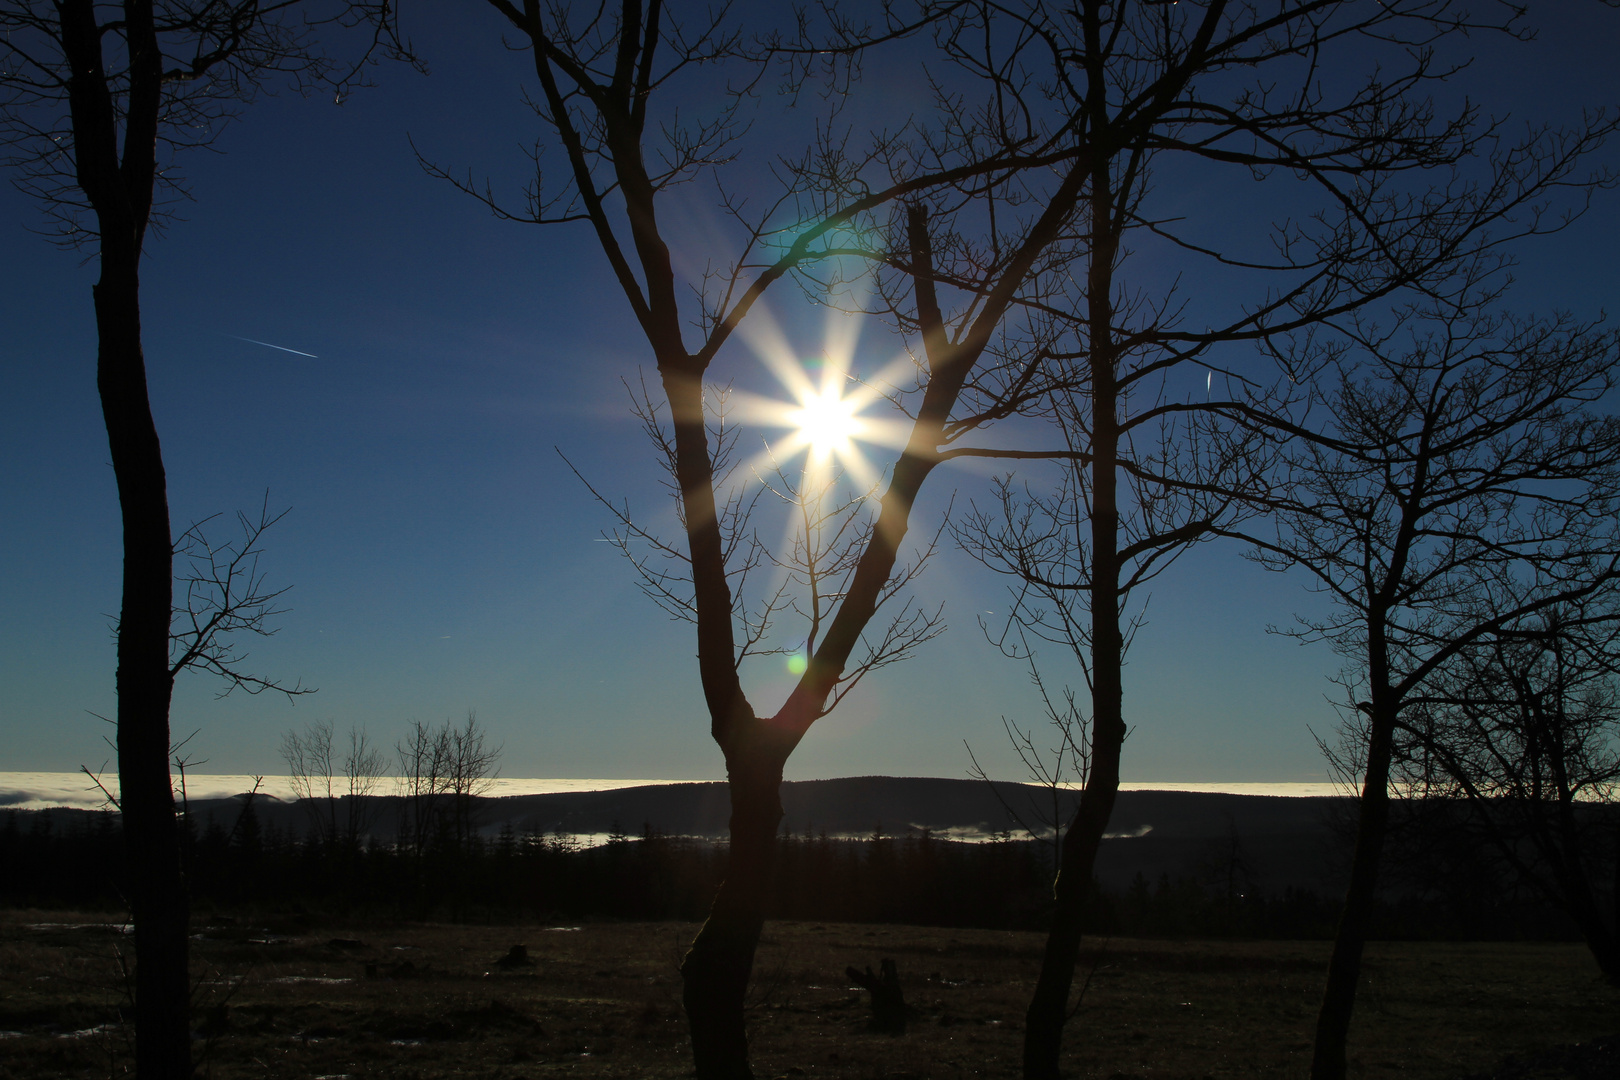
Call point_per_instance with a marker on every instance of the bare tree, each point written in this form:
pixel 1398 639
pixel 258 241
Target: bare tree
pixel 335 791
pixel 472 768
pixel 994 238
pixel 608 85
pixel 96 99
pixel 364 768
pixel 308 755
pixel 424 768
pixel 1523 731
pixel 1372 193
pixel 443 772
pixel 1460 489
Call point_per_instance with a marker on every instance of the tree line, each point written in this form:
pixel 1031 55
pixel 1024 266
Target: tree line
pixel 1375 416
pixel 243 868
pixel 437 777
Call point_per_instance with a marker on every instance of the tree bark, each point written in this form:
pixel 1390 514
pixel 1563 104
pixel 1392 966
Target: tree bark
pixel 158 899
pixel 1344 969
pixel 716 969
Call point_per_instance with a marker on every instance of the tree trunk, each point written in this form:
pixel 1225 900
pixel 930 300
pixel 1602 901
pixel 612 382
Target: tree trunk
pixel 1048 1010
pixel 1614 906
pixel 1344 969
pixel 1605 950
pixel 1568 858
pixel 151 835
pixel 1581 902
pixel 716 969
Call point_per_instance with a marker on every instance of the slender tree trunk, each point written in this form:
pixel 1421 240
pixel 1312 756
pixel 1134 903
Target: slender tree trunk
pixel 1048 1010
pixel 716 969
pixel 151 835
pixel 1344 969
pixel 1049 1005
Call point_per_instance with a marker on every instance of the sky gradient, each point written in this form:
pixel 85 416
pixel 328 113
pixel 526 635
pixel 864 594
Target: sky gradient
pixel 442 556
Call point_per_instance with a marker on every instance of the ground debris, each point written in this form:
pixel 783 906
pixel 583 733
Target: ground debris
pixel 604 1003
pixel 1595 1059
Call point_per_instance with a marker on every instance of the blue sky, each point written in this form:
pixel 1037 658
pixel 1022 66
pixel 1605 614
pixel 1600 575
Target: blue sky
pixel 441 556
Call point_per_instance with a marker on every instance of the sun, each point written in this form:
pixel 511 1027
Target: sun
pixel 824 414
pixel 828 422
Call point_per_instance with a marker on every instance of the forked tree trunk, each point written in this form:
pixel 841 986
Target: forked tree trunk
pixel 158 899
pixel 716 969
pixel 118 183
pixel 1344 969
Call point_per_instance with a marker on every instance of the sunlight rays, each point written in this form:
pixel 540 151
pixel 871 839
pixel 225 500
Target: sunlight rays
pixel 825 419
pixel 817 438
pixel 828 423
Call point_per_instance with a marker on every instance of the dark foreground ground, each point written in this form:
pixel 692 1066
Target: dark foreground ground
pixel 286 998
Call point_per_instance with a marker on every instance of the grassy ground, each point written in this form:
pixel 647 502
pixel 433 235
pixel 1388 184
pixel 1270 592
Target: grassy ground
pixel 280 998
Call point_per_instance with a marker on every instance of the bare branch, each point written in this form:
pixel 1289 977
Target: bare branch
pixel 225 596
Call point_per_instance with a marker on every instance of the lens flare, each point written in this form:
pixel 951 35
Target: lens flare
pixel 827 422
pixel 824 415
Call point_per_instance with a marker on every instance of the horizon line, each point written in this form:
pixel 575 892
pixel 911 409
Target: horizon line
pixel 42 789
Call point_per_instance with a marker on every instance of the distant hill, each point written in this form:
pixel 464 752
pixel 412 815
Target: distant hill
pixel 1268 841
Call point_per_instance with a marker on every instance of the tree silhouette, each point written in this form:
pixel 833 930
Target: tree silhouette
pixel 1459 490
pixel 1524 731
pixel 609 84
pixel 993 236
pixel 335 785
pixel 1370 195
pixel 96 101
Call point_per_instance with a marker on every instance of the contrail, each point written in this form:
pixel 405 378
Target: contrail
pixel 266 344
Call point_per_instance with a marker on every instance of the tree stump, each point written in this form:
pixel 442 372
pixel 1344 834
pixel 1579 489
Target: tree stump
pixel 516 957
pixel 888 1004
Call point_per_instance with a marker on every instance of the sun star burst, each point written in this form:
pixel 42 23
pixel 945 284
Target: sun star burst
pixel 828 422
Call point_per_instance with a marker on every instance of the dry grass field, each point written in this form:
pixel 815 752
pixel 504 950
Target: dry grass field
pixel 284 998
